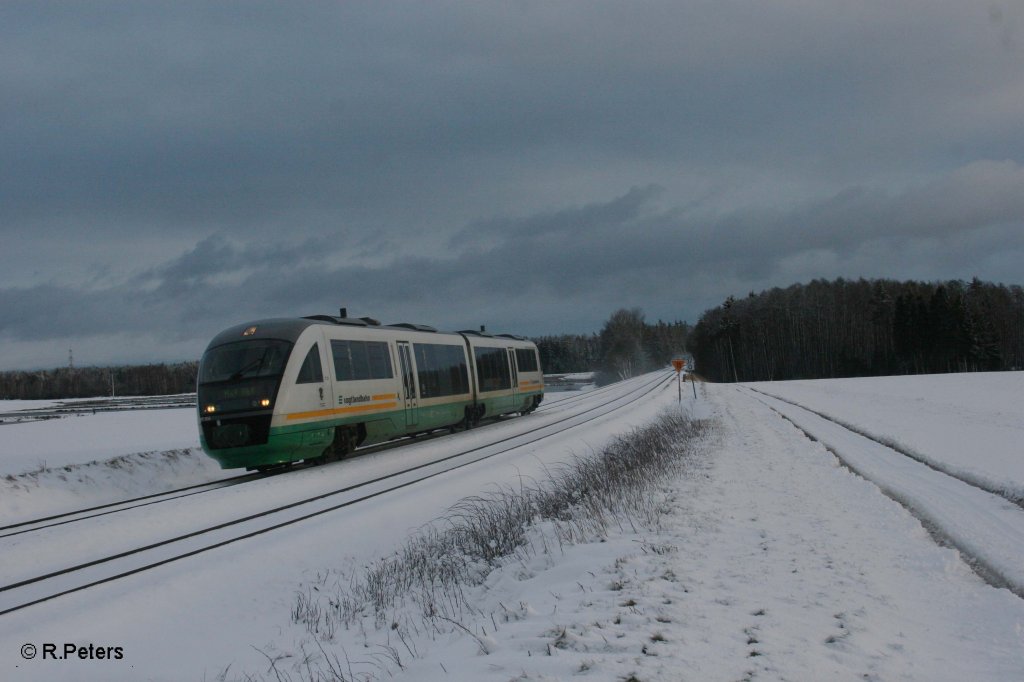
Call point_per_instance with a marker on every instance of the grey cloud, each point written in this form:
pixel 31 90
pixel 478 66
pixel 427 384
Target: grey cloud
pixel 585 260
pixel 188 110
pixel 195 162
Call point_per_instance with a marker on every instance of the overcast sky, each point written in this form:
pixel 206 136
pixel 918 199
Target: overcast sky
pixel 168 169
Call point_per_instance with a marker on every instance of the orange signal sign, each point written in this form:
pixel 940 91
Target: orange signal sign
pixel 678 364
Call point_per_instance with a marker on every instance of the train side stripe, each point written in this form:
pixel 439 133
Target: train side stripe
pixel 342 410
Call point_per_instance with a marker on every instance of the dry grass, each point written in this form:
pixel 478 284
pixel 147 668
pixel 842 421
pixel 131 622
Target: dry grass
pixel 421 590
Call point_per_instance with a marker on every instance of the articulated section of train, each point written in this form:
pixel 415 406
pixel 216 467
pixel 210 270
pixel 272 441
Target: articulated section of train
pixel 278 391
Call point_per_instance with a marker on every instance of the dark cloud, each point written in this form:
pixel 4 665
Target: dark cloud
pixel 173 166
pixel 560 270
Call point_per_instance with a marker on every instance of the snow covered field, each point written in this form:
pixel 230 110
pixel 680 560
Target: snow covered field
pixel 55 443
pixel 771 560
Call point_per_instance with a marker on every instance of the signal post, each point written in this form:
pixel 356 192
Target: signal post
pixel 678 364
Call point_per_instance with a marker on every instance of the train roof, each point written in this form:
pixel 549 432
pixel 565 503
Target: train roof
pixel 289 328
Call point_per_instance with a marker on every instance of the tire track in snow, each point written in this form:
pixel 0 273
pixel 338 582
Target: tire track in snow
pixel 984 528
pixel 976 481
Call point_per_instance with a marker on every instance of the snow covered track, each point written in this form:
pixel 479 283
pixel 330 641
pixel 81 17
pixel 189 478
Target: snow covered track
pixel 122 505
pixel 986 528
pixel 112 547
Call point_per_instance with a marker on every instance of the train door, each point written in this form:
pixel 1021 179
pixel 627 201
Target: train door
pixel 311 391
pixel 514 373
pixel 409 396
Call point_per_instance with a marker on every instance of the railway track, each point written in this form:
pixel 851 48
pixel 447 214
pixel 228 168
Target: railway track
pixel 82 514
pixel 76 515
pixel 985 527
pixel 67 578
pixel 67 408
pixel 43 522
pixel 85 513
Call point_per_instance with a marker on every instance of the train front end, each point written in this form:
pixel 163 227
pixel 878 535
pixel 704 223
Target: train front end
pixel 239 381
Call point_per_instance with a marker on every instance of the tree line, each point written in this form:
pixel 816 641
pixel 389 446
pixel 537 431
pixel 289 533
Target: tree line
pixel 91 382
pixel 627 345
pixel 862 328
pixel 824 329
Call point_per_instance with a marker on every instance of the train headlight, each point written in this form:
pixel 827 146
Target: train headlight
pixel 209 409
pixel 265 402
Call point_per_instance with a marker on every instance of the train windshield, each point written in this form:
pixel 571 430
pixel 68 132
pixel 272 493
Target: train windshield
pixel 244 360
pixel 242 376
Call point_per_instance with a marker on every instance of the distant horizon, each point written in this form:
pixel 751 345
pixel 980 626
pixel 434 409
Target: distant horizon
pixel 649 319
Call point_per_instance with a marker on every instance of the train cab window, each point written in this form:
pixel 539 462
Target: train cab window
pixel 244 360
pixel 361 360
pixel 311 371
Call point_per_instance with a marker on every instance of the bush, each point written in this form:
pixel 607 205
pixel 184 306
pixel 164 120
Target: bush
pixel 580 500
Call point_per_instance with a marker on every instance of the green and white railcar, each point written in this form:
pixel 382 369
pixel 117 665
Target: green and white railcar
pixel 278 391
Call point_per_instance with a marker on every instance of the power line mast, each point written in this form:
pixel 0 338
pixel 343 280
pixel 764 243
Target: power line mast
pixel 71 359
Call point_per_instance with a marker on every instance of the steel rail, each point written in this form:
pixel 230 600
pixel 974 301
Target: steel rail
pixel 209 485
pixel 643 390
pixel 82 514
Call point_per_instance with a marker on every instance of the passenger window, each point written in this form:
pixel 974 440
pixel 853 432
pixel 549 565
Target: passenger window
pixel 442 370
pixel 526 358
pixel 311 371
pixel 492 371
pixel 361 360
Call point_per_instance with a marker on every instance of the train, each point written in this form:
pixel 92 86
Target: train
pixel 274 392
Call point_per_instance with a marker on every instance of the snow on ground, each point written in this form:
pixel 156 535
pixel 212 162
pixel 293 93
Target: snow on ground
pixel 84 438
pixel 772 562
pixel 775 563
pixel 987 527
pixel 969 424
pixel 16 405
pixel 58 465
pixel 77 461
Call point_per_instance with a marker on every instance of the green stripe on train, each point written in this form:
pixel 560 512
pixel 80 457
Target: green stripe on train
pixel 294 442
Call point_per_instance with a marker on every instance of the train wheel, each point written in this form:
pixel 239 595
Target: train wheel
pixel 272 468
pixel 344 445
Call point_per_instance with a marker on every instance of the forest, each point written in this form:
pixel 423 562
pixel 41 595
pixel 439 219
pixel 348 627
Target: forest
pixel 90 382
pixel 862 328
